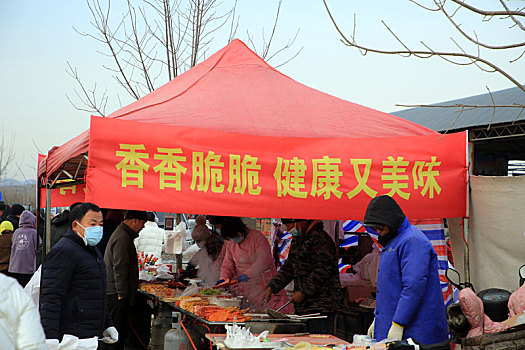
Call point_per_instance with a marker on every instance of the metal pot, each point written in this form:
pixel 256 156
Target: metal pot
pixel 495 303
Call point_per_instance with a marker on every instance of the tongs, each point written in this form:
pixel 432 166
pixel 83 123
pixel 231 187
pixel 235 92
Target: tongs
pixel 276 314
pixel 226 283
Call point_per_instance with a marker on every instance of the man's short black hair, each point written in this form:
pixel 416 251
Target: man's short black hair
pixel 231 227
pixel 136 214
pixel 74 205
pixel 79 211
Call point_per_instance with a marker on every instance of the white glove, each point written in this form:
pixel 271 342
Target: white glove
pixel 395 332
pixel 110 335
pixel 52 344
pixel 371 329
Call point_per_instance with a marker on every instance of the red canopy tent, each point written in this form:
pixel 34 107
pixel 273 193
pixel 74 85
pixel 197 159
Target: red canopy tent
pixel 236 91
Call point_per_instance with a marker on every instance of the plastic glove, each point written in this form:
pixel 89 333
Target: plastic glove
pixel 395 332
pixel 243 278
pixel 110 335
pixel 371 329
pixel 52 344
pixel 219 281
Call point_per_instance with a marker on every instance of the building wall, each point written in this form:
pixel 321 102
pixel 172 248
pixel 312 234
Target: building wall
pixel 496 232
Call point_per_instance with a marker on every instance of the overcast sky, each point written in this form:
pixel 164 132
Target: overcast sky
pixel 37 41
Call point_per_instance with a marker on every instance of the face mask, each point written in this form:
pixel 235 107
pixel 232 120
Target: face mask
pixel 92 234
pixel 218 230
pixel 294 232
pixel 238 239
pixel 383 240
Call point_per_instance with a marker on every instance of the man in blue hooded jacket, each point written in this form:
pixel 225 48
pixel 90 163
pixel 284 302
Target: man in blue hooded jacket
pixel 409 302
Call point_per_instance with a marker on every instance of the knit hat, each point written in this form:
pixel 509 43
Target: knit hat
pixel 6 225
pixel 17 209
pixel 201 232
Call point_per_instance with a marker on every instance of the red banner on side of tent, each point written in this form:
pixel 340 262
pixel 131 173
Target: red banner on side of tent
pixel 64 196
pixel 146 166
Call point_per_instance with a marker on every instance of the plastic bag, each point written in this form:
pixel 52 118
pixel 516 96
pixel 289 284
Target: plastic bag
pixel 70 342
pixel 175 239
pixel 33 286
pixel 190 290
pixel 163 273
pixel 241 337
pixel 145 276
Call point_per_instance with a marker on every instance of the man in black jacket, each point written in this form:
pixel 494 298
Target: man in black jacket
pixel 74 282
pixel 123 272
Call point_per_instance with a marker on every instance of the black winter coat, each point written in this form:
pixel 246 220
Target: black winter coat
pixel 14 220
pixel 312 265
pixel 74 290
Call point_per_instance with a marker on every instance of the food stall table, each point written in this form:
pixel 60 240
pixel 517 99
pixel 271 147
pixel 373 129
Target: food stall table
pixel 257 323
pixel 287 340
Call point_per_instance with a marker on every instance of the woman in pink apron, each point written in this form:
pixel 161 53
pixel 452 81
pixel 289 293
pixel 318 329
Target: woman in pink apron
pixel 249 260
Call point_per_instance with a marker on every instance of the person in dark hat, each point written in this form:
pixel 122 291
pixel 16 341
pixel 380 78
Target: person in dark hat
pixel 123 272
pixel 3 208
pixel 409 301
pixel 14 215
pixel 312 265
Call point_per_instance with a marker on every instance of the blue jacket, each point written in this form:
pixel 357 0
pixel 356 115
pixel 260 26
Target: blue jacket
pixel 74 290
pixel 408 289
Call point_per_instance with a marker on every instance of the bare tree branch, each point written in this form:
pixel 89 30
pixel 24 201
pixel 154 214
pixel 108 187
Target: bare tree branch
pixel 441 7
pixel 493 109
pixel 7 152
pixel 157 40
pixel 516 105
pixel 88 97
pixel 488 13
pixel 423 54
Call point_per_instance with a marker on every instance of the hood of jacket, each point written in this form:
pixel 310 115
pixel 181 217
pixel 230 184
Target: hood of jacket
pixel 384 210
pixel 27 219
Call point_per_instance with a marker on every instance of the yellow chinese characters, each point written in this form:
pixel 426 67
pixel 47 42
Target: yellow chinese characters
pixel 207 172
pixel 289 174
pixel 326 176
pixel 63 190
pixel 244 175
pixel 426 178
pixel 169 168
pixel 362 179
pixel 132 165
pixel 395 173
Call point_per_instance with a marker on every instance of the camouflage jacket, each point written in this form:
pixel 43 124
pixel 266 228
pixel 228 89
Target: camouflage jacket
pixel 312 265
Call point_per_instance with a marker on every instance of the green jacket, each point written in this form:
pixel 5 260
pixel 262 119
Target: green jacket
pixel 312 265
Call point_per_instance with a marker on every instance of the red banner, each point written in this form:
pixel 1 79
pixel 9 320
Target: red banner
pixel 64 196
pixel 135 165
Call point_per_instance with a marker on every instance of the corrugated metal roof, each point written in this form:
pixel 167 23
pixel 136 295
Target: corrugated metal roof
pixel 440 119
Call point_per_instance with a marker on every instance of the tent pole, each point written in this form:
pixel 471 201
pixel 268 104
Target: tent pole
pixel 38 209
pixel 48 219
pixel 466 256
pixel 470 157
